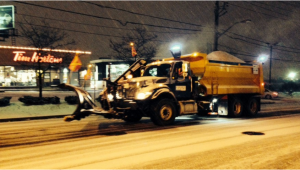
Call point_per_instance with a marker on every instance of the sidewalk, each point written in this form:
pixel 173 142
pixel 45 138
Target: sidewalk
pixel 50 88
pixel 17 111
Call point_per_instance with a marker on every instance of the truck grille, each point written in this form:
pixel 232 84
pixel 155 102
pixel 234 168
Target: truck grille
pixel 128 93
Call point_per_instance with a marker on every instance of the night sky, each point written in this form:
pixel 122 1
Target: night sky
pixel 91 24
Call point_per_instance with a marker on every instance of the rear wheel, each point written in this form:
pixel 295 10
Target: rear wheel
pixel 164 112
pixel 235 107
pixel 252 106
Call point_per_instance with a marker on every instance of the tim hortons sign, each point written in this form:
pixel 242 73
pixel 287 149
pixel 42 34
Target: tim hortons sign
pixel 20 56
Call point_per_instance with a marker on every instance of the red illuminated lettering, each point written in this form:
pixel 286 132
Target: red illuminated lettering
pixel 19 56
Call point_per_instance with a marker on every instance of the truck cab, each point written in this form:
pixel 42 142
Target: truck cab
pixel 174 74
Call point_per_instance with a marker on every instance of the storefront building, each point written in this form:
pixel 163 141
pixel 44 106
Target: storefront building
pixel 21 66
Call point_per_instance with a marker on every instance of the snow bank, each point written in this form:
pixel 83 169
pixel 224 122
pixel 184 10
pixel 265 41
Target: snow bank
pixel 18 110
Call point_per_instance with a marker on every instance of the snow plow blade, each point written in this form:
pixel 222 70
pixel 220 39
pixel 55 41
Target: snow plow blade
pixel 85 104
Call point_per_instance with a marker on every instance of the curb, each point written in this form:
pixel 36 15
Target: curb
pixel 280 111
pixel 30 118
pixel 61 116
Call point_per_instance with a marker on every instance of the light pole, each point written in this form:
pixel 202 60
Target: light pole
pixel 270 70
pixel 218 34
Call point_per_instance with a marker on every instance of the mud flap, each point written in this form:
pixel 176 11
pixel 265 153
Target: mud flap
pixel 85 104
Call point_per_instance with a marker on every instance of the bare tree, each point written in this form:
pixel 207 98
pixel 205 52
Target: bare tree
pixel 143 41
pixel 43 36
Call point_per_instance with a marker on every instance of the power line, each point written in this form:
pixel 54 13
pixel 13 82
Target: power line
pixel 247 37
pixel 288 47
pixel 96 25
pixel 244 40
pixel 285 60
pixel 136 13
pixel 107 35
pixel 133 29
pixel 234 49
pixel 261 45
pixel 262 41
pixel 285 50
pixel 267 9
pixel 119 21
pixel 288 3
pixel 259 12
pixel 148 31
pixel 137 23
pixel 254 56
pixel 273 6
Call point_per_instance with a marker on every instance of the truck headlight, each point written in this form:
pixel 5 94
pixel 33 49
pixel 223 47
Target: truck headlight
pixel 141 96
pixel 110 97
pixel 118 96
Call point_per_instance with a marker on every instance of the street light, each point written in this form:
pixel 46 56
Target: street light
pixel 176 50
pixel 133 52
pixel 262 58
pixel 292 75
pixel 218 34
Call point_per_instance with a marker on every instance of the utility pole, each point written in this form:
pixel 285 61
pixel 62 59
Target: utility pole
pixel 217 8
pixel 219 11
pixel 270 70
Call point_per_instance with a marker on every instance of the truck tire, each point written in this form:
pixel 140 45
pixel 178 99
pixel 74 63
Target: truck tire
pixel 252 106
pixel 132 116
pixel 164 112
pixel 235 107
pixel 268 96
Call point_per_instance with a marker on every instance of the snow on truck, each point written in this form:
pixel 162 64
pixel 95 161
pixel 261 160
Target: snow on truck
pixel 215 84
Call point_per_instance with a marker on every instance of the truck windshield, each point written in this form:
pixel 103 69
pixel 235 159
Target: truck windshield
pixel 162 70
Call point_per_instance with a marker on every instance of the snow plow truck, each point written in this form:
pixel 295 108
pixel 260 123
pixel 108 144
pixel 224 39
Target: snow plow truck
pixel 198 83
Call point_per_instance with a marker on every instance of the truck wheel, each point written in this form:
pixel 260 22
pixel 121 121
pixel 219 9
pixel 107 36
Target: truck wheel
pixel 132 116
pixel 164 112
pixel 235 108
pixel 268 96
pixel 252 107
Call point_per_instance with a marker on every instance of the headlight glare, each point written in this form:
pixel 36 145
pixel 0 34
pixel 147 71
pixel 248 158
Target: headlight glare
pixel 110 97
pixel 141 96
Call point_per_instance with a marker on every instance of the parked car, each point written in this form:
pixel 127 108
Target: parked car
pixel 269 94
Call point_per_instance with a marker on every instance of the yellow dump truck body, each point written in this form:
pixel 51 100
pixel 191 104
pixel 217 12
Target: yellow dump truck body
pixel 222 76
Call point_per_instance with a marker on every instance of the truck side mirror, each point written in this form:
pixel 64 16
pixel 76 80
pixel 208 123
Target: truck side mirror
pixel 184 70
pixel 142 72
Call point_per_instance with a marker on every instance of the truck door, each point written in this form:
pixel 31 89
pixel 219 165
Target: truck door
pixel 180 83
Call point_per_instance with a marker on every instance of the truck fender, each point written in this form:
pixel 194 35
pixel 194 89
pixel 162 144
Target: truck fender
pixel 164 91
